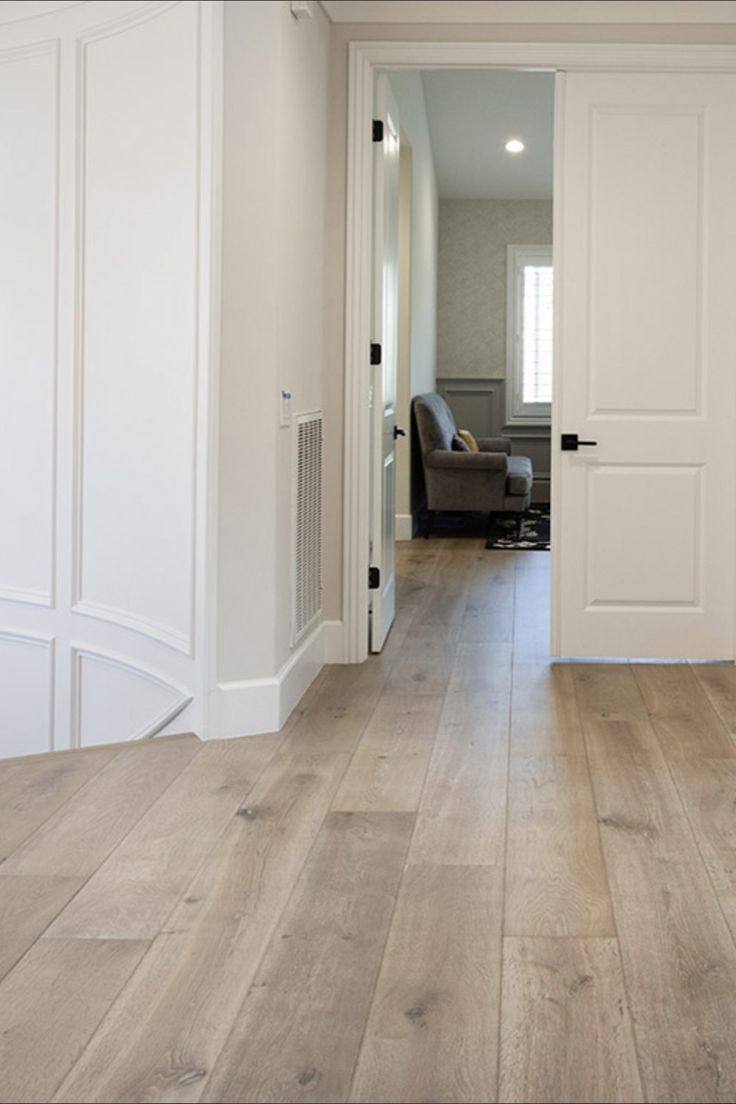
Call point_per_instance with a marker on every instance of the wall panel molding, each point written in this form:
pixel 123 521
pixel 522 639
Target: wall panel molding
pixel 182 554
pixel 157 719
pixel 31 370
pixel 112 113
pixel 26 692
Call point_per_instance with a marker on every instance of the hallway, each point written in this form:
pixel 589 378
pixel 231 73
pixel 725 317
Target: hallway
pixel 461 873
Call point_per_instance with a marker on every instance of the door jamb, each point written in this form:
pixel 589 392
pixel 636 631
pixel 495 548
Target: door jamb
pixel 364 59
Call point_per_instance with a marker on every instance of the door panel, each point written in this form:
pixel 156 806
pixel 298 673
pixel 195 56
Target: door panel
pixel 645 350
pixel 385 327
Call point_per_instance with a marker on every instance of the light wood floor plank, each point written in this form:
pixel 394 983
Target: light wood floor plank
pixel 707 789
pixel 719 683
pixel 531 606
pixel 251 989
pixel 425 663
pixel 544 711
pixel 433 1026
pixel 50 1005
pixel 165 1032
pixel 608 692
pixel 387 771
pixel 462 813
pixel 565 1029
pixel 679 959
pixel 555 881
pixel 446 597
pixel 135 889
pixel 489 612
pixel 298 1033
pixel 97 817
pixel 33 789
pixel 28 904
pixel 683 718
pixel 481 668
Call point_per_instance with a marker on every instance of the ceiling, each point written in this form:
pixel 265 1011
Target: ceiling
pixel 472 114
pixel 530 11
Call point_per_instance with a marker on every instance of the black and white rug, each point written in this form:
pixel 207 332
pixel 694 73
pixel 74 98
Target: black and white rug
pixel 534 535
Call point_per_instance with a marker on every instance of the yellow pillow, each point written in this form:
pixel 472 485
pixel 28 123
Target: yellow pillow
pixel 469 439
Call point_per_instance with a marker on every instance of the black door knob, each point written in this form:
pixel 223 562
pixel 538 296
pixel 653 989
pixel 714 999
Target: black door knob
pixel 570 442
pixel 399 432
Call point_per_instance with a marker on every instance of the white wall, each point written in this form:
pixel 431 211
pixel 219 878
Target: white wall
pixel 275 138
pixel 423 235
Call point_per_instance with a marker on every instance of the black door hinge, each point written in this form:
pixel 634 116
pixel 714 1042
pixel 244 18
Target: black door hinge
pixel 375 353
pixel 377 130
pixel 374 578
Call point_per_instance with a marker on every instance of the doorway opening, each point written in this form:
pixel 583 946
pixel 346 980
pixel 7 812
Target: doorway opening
pixel 463 314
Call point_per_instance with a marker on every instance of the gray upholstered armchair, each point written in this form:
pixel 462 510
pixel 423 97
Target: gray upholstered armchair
pixel 488 480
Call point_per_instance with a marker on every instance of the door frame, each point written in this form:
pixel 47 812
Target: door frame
pixel 365 58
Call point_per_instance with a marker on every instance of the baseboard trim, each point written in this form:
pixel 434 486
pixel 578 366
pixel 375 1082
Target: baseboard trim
pixel 404 527
pixel 333 637
pixel 249 707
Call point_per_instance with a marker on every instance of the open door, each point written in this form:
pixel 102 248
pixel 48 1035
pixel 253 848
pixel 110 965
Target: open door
pixel 646 358
pixel 384 357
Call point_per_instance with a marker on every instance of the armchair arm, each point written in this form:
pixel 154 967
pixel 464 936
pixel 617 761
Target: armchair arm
pixel 494 444
pixel 467 461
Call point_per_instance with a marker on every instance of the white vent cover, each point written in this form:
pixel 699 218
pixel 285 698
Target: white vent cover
pixel 307 579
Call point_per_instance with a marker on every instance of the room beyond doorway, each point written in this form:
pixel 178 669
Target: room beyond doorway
pixel 471 273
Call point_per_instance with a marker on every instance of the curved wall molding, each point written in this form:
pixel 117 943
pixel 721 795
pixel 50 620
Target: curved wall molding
pixel 127 702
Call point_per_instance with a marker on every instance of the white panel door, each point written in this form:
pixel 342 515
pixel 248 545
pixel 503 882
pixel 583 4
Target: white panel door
pixel 646 354
pixel 107 117
pixel 385 329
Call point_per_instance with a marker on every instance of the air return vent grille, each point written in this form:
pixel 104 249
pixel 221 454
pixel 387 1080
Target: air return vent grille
pixel 307 582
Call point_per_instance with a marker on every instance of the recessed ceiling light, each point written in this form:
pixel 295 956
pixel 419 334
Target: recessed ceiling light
pixel 514 145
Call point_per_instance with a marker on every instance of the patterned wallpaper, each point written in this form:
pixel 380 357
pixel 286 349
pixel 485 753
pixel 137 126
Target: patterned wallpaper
pixel 471 301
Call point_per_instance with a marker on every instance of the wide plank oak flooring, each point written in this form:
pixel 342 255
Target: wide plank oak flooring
pixel 461 873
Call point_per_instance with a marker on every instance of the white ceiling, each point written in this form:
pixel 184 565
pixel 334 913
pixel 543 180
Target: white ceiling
pixel 472 114
pixel 530 11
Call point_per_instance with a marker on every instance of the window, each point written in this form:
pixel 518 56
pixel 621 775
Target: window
pixel 529 334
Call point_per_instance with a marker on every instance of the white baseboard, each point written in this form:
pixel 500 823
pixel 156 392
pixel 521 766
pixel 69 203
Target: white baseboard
pixel 252 706
pixel 404 527
pixel 333 636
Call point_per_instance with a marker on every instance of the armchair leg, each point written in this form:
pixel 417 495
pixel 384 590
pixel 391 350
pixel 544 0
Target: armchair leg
pixel 428 523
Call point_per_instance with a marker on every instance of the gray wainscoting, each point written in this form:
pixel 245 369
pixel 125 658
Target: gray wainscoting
pixel 480 406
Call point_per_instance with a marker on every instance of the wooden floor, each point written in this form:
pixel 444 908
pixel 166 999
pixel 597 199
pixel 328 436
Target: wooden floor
pixel 461 873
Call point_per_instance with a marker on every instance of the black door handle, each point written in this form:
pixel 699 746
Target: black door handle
pixel 399 432
pixel 570 442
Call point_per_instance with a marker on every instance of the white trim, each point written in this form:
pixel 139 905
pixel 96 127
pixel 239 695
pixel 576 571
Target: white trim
pixel 555 495
pixel 333 637
pixel 364 59
pixel 251 706
pixel 213 49
pixel 404 527
pixel 518 412
pixel 625 56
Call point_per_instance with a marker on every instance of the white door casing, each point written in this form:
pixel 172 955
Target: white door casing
pixel 366 59
pixel 108 127
pixel 383 389
pixel 646 355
